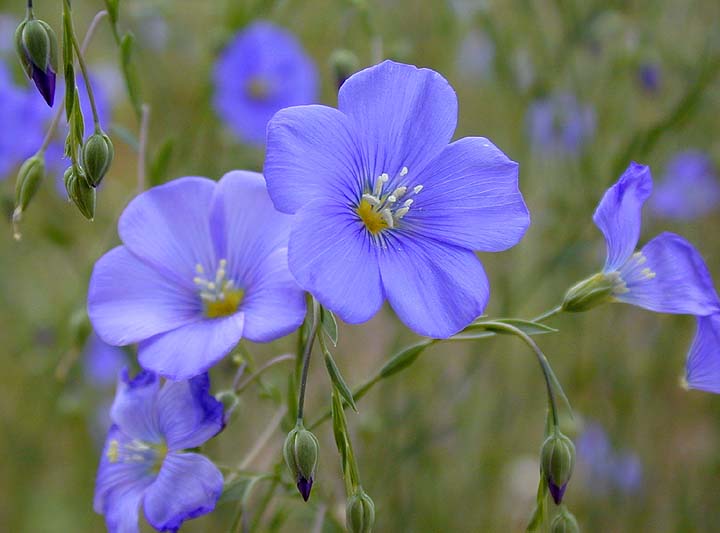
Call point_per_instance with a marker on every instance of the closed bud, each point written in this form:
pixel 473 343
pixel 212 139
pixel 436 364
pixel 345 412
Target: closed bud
pixel 229 400
pixel 344 63
pixel 29 178
pixel 301 450
pixel 36 45
pixel 80 192
pixel 557 458
pixel 360 513
pixel 97 155
pixel 589 293
pixel 564 522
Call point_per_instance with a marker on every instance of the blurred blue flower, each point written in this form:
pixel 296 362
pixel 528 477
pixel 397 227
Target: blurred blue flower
pixel 386 208
pixel 262 70
pixel 702 370
pixel 102 362
pixel 649 76
pixel 202 265
pixel 23 117
pixel 690 187
pixel 143 463
pixel 8 25
pixel 559 124
pixel 475 56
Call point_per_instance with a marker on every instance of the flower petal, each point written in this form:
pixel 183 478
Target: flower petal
pixel 669 276
pixel 703 362
pixel 619 214
pixel 187 413
pixel 187 486
pixel 168 228
pixel 436 289
pixel 128 301
pixel 312 153
pixel 404 116
pixel 190 350
pixel 470 198
pixel 332 256
pixel 133 410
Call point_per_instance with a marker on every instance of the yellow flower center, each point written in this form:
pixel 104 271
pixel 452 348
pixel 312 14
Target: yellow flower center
pixel 219 295
pixel 372 219
pixel 383 209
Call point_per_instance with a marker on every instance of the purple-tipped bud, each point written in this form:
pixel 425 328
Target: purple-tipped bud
pixel 558 459
pixel 45 83
pixel 557 492
pixel 301 451
pixel 304 486
pixel 36 46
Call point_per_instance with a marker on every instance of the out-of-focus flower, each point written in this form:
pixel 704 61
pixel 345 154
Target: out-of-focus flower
pixel 102 362
pixel 386 208
pixel 703 363
pixel 475 56
pixel 203 264
pixel 649 76
pixel 559 124
pixel 143 462
pixel 8 24
pixel 690 187
pixel 262 70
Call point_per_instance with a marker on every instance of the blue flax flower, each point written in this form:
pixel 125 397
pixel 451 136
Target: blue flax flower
pixel 262 70
pixel 386 208
pixel 559 124
pixel 702 370
pixel 690 188
pixel 202 265
pixel 143 462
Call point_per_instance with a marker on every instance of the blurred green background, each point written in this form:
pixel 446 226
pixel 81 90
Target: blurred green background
pixel 451 444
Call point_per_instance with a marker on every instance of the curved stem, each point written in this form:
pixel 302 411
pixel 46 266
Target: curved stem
pixel 272 362
pixel 547 314
pixel 83 68
pixel 306 356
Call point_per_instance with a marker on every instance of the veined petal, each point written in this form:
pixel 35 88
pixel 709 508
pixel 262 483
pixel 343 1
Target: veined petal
pixel 703 362
pixel 470 198
pixel 312 153
pixel 404 116
pixel 669 276
pixel 190 350
pixel 619 214
pixel 436 289
pixel 129 301
pixel 168 227
pixel 187 486
pixel 188 414
pixel 333 256
pixel 133 410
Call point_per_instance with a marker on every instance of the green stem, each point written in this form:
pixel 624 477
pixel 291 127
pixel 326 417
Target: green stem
pixel 315 321
pixel 272 362
pixel 547 314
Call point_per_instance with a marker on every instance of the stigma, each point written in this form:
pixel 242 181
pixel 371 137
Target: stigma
pixel 383 207
pixel 219 295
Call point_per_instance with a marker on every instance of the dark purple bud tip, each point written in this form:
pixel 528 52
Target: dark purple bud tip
pixel 304 486
pixel 45 83
pixel 556 492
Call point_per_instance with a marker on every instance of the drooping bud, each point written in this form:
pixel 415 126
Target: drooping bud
pixel 557 458
pixel 301 450
pixel 230 401
pixel 591 292
pixel 80 192
pixel 564 522
pixel 344 63
pixel 28 181
pixel 37 47
pixel 360 512
pixel 97 156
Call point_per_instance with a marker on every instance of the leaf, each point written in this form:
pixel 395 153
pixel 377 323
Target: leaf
pixel 338 381
pixel 403 359
pixel 132 84
pixel 127 136
pixel 539 514
pixel 161 162
pixel 339 428
pixel 329 325
pixel 236 489
pixel 526 326
pixel 112 9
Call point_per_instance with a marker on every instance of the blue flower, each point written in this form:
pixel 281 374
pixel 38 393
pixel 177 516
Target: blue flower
pixel 202 265
pixel 386 208
pixel 102 362
pixel 702 370
pixel 559 124
pixel 143 463
pixel 649 76
pixel 690 187
pixel 262 70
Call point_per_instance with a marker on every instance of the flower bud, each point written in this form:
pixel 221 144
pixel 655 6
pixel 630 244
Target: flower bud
pixel 301 451
pixel 360 513
pixel 29 178
pixel 80 192
pixel 36 45
pixel 97 155
pixel 589 293
pixel 344 64
pixel 557 458
pixel 564 522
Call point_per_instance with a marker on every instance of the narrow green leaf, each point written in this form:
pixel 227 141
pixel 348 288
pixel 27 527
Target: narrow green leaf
pixel 127 45
pixel 112 9
pixel 526 326
pixel 125 135
pixel 69 90
pixel 161 162
pixel 539 514
pixel 235 490
pixel 338 381
pixel 339 429
pixel 403 359
pixel 329 325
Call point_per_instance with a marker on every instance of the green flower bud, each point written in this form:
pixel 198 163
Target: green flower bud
pixel 360 513
pixel 37 48
pixel 591 292
pixel 557 458
pixel 80 192
pixel 97 155
pixel 564 522
pixel 229 400
pixel 301 450
pixel 28 180
pixel 344 63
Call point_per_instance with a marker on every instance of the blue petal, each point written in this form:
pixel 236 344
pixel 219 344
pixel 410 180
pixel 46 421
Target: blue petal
pixel 703 362
pixel 436 289
pixel 619 214
pixel 187 413
pixel 128 301
pixel 669 276
pixel 133 410
pixel 187 486
pixel 102 362
pixel 332 256
pixel 190 350
pixel 120 487
pixel 404 116
pixel 168 227
pixel 312 153
pixel 470 198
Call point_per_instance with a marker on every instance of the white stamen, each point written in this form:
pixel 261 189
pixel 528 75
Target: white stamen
pixel 387 217
pixel 369 198
pixel 401 212
pixel 217 289
pixel 391 199
pixel 408 203
pixel 386 205
pixel 417 189
pixel 399 192
pixel 403 172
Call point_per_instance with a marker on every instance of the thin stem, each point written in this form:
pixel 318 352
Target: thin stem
pixel 319 518
pixel 252 377
pixel 61 107
pixel 83 69
pixel 547 314
pixel 306 357
pixel 264 438
pixel 142 148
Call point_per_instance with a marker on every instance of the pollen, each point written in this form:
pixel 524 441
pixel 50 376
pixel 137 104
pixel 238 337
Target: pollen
pixel 372 219
pixel 113 452
pixel 386 201
pixel 220 296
